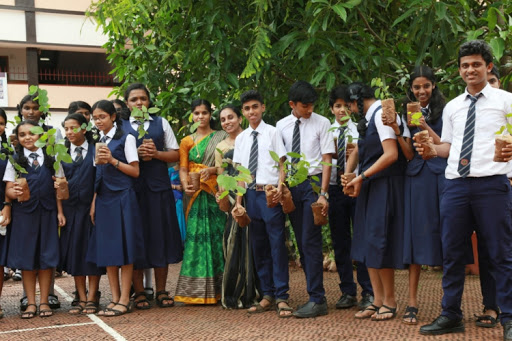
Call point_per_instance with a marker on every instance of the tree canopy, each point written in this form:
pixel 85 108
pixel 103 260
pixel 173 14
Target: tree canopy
pixel 216 49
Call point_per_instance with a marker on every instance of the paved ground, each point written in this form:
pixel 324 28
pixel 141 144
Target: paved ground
pixel 215 323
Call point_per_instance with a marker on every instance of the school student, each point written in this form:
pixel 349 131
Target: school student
pixel 477 190
pixel 162 239
pixel 5 207
pixel 304 131
pixel 267 230
pixel 34 240
pixel 342 207
pixel 75 235
pixel 378 222
pixel 28 109
pixel 118 240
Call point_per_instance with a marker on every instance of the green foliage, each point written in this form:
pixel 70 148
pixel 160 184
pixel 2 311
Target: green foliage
pixel 415 118
pixel 381 89
pixel 229 183
pixel 141 115
pixel 184 49
pixel 297 173
pixel 8 154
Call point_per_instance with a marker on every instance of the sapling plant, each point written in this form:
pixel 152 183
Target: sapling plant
pixel 503 137
pixel 388 104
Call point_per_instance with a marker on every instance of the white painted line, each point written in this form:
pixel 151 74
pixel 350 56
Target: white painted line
pixel 48 327
pixel 95 319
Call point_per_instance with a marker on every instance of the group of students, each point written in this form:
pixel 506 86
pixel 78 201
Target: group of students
pixel 405 211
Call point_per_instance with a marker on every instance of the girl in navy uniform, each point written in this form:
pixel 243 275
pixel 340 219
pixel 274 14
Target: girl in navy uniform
pixel 115 212
pixel 422 234
pixel 4 207
pixel 74 236
pixel 379 188
pixel 160 224
pixel 34 240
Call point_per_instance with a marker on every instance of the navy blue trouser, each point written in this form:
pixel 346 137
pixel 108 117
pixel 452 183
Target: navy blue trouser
pixel 483 202
pixel 309 239
pixel 487 280
pixel 341 214
pixel 268 244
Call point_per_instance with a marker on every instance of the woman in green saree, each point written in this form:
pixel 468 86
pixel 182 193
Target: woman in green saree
pixel 200 278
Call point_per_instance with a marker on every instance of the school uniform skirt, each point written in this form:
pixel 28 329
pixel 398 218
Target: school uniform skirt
pixel 422 223
pixel 4 247
pixel 34 240
pixel 379 223
pixel 118 236
pixel 74 242
pixel 162 238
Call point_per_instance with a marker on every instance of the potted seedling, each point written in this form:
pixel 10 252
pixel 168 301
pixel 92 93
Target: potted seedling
pixel 350 145
pixel 224 202
pixel 18 170
pixel 229 183
pixel 140 116
pixel 48 140
pixel 297 173
pixel 388 104
pixel 502 138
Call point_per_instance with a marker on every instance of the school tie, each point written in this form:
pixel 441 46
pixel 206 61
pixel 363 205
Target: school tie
pixel 35 163
pixel 104 139
pixel 341 149
pixel 296 141
pixel 79 157
pixel 467 141
pixel 253 158
pixel 426 113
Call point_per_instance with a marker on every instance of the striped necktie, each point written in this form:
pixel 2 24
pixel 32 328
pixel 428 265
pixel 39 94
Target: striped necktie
pixel 104 139
pixel 296 141
pixel 467 141
pixel 253 158
pixel 79 156
pixel 426 113
pixel 35 163
pixel 341 149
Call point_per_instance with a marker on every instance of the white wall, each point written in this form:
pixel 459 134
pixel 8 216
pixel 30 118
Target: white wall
pixel 68 5
pixel 67 29
pixel 13 25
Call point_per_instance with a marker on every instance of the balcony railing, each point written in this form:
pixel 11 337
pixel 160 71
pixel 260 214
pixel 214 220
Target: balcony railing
pixel 64 77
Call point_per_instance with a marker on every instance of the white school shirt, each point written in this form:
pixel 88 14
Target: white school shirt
pixel 10 175
pixel 352 131
pixel 130 145
pixel 269 139
pixel 73 147
pixel 491 110
pixel 170 142
pixel 315 138
pixel 385 132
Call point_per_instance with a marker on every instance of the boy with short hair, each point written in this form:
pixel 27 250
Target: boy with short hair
pixel 306 132
pixel 477 190
pixel 342 207
pixel 267 232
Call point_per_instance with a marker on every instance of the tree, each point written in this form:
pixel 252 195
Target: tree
pixel 217 49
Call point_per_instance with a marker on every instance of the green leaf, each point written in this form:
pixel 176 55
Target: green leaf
pixel 40 144
pixel 153 110
pixel 492 18
pixel 340 11
pixel 294 155
pixel 274 156
pixel 498 47
pixel 37 130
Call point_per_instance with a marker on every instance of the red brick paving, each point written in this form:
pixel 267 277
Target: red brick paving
pixel 215 323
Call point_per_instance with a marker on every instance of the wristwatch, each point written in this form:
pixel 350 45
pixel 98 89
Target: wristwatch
pixel 364 177
pixel 7 203
pixel 324 194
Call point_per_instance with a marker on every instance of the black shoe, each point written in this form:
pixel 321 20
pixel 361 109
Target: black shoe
pixel 442 325
pixel 53 301
pixel 312 309
pixel 365 302
pixel 76 299
pixel 346 301
pixel 23 303
pixel 507 331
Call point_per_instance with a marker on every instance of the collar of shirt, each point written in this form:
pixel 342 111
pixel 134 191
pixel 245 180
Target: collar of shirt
pixel 132 119
pixel 84 145
pixel 27 153
pixel 110 134
pixel 485 92
pixel 260 128
pixel 371 110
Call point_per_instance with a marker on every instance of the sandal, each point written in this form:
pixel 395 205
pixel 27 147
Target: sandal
pixel 117 312
pixel 77 309
pixel 29 314
pixel 481 318
pixel 410 316
pixel 261 309
pixel 142 304
pixel 76 298
pixel 390 310
pixel 372 307
pixel 281 309
pixel 45 312
pixel 90 308
pixel 1 313
pixel 150 294
pixel 53 301
pixel 162 296
pixel 104 311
